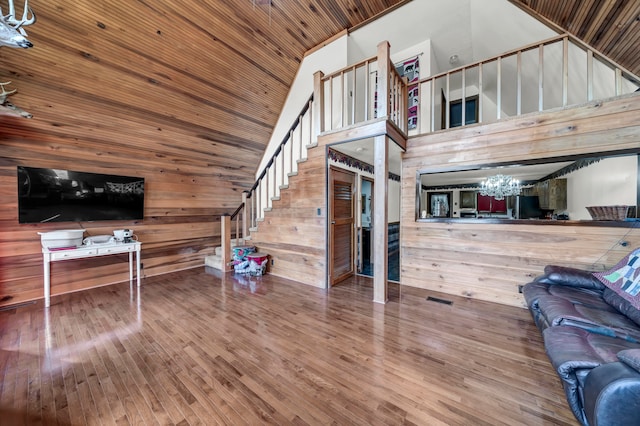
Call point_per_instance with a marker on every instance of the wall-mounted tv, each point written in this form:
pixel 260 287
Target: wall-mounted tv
pixel 55 195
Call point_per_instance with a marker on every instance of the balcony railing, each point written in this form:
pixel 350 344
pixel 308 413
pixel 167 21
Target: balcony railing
pixel 553 73
pixel 354 94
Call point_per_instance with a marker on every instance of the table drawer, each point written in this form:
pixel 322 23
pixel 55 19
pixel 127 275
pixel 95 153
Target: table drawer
pixel 73 254
pixel 116 249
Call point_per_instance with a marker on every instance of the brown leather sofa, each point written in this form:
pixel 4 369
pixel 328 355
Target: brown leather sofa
pixel 592 337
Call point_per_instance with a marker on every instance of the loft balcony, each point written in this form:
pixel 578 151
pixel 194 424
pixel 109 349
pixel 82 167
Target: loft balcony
pixel 559 72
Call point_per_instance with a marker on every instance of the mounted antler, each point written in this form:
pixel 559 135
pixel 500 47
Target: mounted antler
pixel 11 32
pixel 7 108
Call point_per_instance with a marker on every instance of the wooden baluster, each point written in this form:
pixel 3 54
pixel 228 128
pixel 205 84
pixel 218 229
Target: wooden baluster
pixel 447 123
pixel 541 77
pixel 245 212
pixel 519 83
pixel 367 82
pixel 433 105
pixel 589 75
pixel 565 71
pixel 480 92
pixel 499 89
pixel 464 96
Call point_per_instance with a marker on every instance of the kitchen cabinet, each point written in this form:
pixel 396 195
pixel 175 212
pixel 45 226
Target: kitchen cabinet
pixel 488 204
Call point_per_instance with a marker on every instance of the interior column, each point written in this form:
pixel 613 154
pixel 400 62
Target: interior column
pixel 380 218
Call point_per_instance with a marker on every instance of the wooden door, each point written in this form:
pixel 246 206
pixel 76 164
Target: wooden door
pixel 341 225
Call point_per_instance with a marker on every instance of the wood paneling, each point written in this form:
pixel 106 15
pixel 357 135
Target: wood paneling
pixel 270 351
pixel 184 94
pixel 489 261
pixel 294 233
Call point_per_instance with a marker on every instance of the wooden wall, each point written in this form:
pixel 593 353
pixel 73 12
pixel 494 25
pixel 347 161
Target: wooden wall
pixel 109 97
pixel 489 261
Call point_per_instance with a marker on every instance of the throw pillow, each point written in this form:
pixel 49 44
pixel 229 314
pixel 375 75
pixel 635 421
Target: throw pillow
pixel 624 278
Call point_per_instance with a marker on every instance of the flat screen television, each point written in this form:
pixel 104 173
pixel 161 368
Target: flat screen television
pixel 55 195
pixel 529 207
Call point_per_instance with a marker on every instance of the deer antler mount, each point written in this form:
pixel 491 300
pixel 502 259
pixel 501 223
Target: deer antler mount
pixel 12 33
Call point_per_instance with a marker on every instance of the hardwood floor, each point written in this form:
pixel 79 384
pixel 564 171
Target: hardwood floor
pixel 196 348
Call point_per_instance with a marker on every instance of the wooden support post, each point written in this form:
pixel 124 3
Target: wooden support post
pixel 225 242
pixel 318 108
pixel 246 212
pixel 380 218
pixel 383 79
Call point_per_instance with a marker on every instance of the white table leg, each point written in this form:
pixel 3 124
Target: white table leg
pixel 130 266
pixel 138 265
pixel 47 279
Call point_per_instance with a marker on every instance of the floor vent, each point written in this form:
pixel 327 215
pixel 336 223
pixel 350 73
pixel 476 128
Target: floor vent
pixel 443 301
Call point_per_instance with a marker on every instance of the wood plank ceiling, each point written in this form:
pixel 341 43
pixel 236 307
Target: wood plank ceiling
pixel 611 27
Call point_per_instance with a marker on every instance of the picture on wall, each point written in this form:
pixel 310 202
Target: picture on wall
pixel 410 68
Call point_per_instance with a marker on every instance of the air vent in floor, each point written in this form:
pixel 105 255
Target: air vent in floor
pixel 437 299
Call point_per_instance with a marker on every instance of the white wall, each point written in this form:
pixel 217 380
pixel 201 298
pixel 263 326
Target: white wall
pixel 330 58
pixel 612 181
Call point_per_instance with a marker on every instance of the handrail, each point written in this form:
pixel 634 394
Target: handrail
pixel 303 111
pixel 238 210
pixel 350 67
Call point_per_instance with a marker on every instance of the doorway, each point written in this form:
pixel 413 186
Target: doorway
pixel 341 224
pixel 365 253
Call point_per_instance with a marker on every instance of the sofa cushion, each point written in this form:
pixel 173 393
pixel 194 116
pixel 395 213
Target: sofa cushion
pixel 564 275
pixel 631 357
pixel 624 278
pixel 621 304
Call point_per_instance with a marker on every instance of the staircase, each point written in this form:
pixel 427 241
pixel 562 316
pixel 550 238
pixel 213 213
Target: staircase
pixel 282 166
pixel 215 260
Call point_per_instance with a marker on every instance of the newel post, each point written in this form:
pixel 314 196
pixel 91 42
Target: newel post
pixel 384 70
pixel 245 218
pixel 225 242
pixel 318 107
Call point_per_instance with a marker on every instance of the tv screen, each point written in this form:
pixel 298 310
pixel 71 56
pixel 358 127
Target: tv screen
pixel 529 207
pixel 55 195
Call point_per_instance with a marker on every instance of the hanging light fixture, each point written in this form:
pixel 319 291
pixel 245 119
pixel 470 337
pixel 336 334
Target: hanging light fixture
pixel 500 186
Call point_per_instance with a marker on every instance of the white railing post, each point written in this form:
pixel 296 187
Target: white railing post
pixel 565 71
pixel 383 79
pixel 246 211
pixel 318 110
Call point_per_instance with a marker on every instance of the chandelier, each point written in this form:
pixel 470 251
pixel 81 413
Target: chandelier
pixel 500 186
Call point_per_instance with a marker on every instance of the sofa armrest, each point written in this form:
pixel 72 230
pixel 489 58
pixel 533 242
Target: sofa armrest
pixel 631 357
pixel 573 277
pixel 612 395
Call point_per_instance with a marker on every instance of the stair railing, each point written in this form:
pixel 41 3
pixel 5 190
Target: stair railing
pixel 275 175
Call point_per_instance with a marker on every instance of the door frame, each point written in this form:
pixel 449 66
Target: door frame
pixel 331 238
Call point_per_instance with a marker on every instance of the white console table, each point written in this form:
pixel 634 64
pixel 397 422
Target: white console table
pixel 85 252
